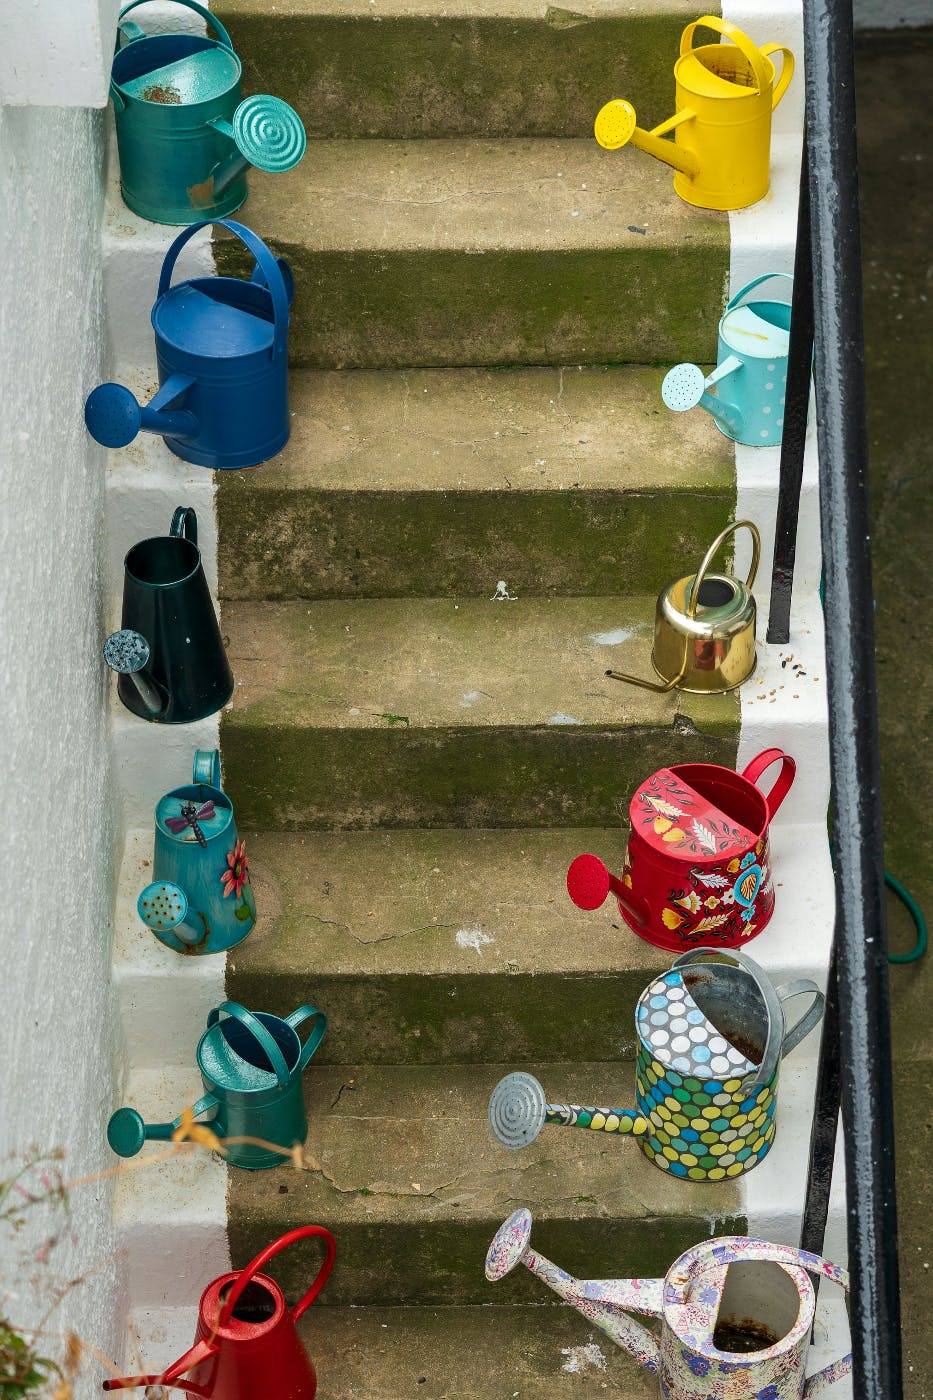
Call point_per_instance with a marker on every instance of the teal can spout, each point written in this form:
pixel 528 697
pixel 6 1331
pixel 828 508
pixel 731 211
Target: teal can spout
pixel 266 132
pixel 163 908
pixel 685 386
pixel 127 1132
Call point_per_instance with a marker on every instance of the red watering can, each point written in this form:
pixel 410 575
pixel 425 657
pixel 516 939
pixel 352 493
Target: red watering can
pixel 698 865
pixel 246 1345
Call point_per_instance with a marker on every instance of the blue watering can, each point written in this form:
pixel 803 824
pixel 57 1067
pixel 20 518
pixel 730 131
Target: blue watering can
pixel 185 139
pixel 200 899
pixel 745 392
pixel 222 352
pixel 251 1066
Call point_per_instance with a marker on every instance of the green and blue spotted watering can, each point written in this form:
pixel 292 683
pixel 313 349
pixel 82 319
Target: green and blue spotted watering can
pixel 185 138
pixel 745 392
pixel 251 1065
pixel 200 899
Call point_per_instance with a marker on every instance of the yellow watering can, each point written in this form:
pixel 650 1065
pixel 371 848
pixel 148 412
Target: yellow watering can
pixel 722 126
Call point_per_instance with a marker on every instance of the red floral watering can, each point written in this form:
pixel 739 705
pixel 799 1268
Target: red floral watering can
pixel 246 1344
pixel 697 866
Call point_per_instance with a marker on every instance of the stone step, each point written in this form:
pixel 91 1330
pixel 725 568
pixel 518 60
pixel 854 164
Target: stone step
pixel 490 1352
pixel 431 482
pixel 427 712
pixel 488 253
pixel 431 68
pixel 417 68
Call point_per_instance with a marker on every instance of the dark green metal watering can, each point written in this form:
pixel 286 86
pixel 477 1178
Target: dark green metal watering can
pixel 251 1065
pixel 185 138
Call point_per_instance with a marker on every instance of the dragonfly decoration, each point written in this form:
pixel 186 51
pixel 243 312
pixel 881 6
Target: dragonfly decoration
pixel 190 816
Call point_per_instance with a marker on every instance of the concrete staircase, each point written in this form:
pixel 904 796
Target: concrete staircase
pixel 479 325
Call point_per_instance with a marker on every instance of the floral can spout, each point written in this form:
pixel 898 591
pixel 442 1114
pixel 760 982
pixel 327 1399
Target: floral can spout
pixel 735 1314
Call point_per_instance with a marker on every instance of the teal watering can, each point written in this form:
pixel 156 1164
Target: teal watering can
pixel 745 392
pixel 185 138
pixel 200 899
pixel 251 1065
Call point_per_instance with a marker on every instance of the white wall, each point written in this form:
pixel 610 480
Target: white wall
pixel 59 826
pixel 56 51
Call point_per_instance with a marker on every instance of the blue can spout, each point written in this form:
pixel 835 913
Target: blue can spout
pixel 114 418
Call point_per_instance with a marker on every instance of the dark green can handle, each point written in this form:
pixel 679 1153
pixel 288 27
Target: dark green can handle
pixel 296 1019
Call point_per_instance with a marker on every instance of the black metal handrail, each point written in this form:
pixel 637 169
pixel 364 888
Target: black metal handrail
pixel 855 1052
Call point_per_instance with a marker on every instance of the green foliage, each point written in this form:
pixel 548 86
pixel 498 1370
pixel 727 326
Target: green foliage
pixel 22 1370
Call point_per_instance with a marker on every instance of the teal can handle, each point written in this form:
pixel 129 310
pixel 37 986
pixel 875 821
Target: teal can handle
pixel 253 1024
pixel 305 1013
pixel 275 282
pixel 205 14
pixel 206 767
pixel 756 282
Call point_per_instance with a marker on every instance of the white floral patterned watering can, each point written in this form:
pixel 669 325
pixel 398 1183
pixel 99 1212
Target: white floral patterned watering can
pixel 736 1314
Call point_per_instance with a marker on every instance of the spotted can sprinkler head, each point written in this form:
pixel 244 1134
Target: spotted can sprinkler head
pixel 517 1110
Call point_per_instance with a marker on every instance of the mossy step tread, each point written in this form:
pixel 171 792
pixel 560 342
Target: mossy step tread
pixel 441 945
pixel 401 1164
pixel 427 712
pixel 473 252
pixel 481 1352
pixel 404 665
pixel 429 68
pixel 421 482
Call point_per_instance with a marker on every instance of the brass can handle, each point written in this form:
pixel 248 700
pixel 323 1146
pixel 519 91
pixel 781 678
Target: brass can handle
pixel 699 577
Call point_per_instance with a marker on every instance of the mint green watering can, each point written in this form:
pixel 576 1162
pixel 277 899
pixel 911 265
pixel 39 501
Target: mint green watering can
pixel 251 1063
pixel 185 138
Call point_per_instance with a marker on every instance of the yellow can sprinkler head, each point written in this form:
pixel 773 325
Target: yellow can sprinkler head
pixel 615 124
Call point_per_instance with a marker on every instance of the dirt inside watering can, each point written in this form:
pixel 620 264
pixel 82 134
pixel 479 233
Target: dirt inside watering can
pixel 743 1335
pixel 164 94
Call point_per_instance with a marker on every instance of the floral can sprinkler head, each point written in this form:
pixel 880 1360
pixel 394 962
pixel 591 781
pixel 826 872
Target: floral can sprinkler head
pixel 725 94
pixel 736 1314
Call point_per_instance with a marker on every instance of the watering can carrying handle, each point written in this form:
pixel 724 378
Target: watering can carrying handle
pixel 801 986
pixel 275 282
pixel 205 14
pixel 787 70
pixel 700 576
pixel 184 524
pixel 323 1274
pixel 756 282
pixel 773 1050
pixel 205 767
pixel 304 1013
pixel 259 1033
pixel 752 52
pixel 784 779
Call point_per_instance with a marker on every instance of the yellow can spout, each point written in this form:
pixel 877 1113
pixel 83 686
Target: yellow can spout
pixel 615 126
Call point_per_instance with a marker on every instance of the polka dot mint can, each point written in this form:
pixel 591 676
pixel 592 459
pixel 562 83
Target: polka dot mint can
pixel 711 1036
pixel 745 392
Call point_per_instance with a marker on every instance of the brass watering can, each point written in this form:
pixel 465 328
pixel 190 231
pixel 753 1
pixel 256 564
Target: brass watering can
pixel 704 629
pixel 736 1314
pixel 725 94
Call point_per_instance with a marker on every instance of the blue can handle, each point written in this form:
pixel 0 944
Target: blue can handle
pixel 253 1024
pixel 269 264
pixel 755 282
pixel 184 524
pixel 206 767
pixel 304 1013
pixel 212 20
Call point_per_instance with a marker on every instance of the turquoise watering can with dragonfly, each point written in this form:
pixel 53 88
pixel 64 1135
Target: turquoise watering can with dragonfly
pixel 200 899
pixel 251 1064
pixel 185 138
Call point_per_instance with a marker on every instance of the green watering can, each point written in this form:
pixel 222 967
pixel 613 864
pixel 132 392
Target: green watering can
pixel 251 1065
pixel 185 139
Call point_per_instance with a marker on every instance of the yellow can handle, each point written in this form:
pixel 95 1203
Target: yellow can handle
pixel 738 37
pixel 787 71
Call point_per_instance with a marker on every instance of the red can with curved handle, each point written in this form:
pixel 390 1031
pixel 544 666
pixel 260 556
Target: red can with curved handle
pixel 246 1334
pixel 698 865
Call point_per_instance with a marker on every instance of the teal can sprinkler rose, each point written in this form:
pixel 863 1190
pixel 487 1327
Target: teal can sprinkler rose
pixel 186 139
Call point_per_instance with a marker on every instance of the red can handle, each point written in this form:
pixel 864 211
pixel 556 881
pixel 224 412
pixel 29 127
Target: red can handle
pixel 292 1237
pixel 783 782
